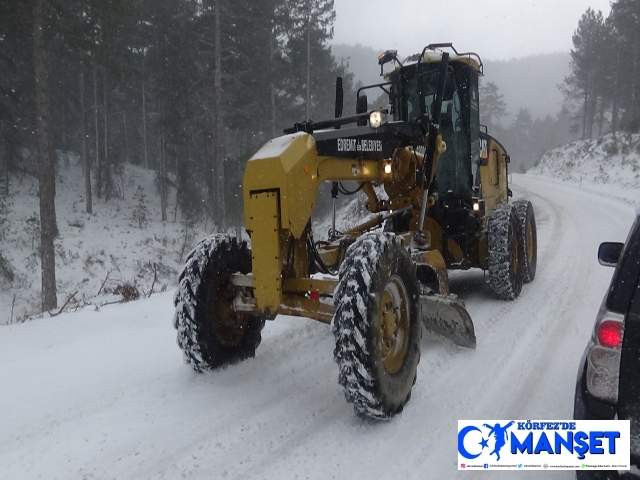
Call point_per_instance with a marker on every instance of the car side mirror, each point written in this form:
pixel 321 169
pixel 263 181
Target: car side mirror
pixel 609 253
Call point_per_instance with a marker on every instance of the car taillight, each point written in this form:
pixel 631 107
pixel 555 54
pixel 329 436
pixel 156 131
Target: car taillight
pixel 610 334
pixel 603 358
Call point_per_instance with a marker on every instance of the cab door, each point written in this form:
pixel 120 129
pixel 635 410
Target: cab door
pixel 493 172
pixel 454 172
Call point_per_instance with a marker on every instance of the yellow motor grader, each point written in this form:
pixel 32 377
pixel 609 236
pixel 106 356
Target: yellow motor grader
pixel 438 188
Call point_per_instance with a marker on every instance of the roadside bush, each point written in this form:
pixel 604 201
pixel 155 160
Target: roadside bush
pixel 128 291
pixel 6 269
pixel 140 212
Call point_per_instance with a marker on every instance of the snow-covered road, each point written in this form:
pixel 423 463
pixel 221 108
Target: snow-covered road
pixel 105 394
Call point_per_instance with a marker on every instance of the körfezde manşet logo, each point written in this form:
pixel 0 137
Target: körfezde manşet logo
pixel 550 445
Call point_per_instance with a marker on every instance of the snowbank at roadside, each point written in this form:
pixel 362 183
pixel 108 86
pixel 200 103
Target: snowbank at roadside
pixel 608 166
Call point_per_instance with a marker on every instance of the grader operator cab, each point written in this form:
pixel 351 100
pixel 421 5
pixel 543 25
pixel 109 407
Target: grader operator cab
pixel 446 207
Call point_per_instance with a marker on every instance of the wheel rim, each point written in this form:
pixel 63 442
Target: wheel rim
pixel 529 242
pixel 227 325
pixel 394 325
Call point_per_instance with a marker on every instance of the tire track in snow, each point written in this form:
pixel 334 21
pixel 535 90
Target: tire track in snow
pixel 567 319
pixel 466 376
pixel 560 285
pixel 493 317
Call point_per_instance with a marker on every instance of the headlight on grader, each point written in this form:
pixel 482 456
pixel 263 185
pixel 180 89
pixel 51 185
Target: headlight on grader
pixel 478 207
pixel 387 168
pixel 375 119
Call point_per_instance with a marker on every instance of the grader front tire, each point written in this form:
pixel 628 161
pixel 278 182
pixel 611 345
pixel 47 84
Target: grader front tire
pixel 210 334
pixel 506 252
pixel 376 326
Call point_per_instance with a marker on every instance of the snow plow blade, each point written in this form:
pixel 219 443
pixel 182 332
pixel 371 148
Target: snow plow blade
pixel 446 315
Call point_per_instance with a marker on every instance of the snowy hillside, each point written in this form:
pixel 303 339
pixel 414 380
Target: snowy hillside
pixel 95 254
pixel 350 212
pixel 610 160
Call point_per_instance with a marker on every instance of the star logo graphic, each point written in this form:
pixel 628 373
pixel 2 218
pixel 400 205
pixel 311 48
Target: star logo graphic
pixel 484 443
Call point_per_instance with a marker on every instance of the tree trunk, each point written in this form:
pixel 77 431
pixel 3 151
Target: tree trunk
pixel 97 134
pixel 163 178
pixel 616 94
pixel 11 154
pixel 178 189
pixel 635 95
pixel 107 167
pixel 218 116
pixel 585 109
pixel 271 87
pixel 5 151
pixel 593 100
pixel 614 114
pixel 144 125
pixel 46 163
pixel 601 117
pixel 86 163
pixel 124 135
pixel 63 140
pixel 165 183
pixel 308 67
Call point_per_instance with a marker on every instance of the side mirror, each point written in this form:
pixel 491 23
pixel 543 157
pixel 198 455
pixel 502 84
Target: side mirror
pixel 609 253
pixel 362 106
pixel 339 97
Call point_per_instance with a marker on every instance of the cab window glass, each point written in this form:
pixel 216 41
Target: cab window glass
pixel 474 126
pixel 418 93
pixel 453 173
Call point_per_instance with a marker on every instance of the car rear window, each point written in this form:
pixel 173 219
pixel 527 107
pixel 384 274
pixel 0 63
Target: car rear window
pixel 627 272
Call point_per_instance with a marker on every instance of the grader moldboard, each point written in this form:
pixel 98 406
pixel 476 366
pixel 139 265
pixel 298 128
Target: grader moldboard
pixel 377 283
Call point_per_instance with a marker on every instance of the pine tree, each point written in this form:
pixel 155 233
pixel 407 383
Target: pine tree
pixel 492 105
pixel 586 77
pixel 46 167
pixel 140 211
pixel 625 39
pixel 522 128
pixel 309 26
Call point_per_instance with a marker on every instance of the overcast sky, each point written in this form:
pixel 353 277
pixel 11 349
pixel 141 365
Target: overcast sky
pixel 496 29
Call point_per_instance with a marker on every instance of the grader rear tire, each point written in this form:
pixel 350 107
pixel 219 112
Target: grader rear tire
pixel 530 238
pixel 506 252
pixel 210 334
pixel 376 325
